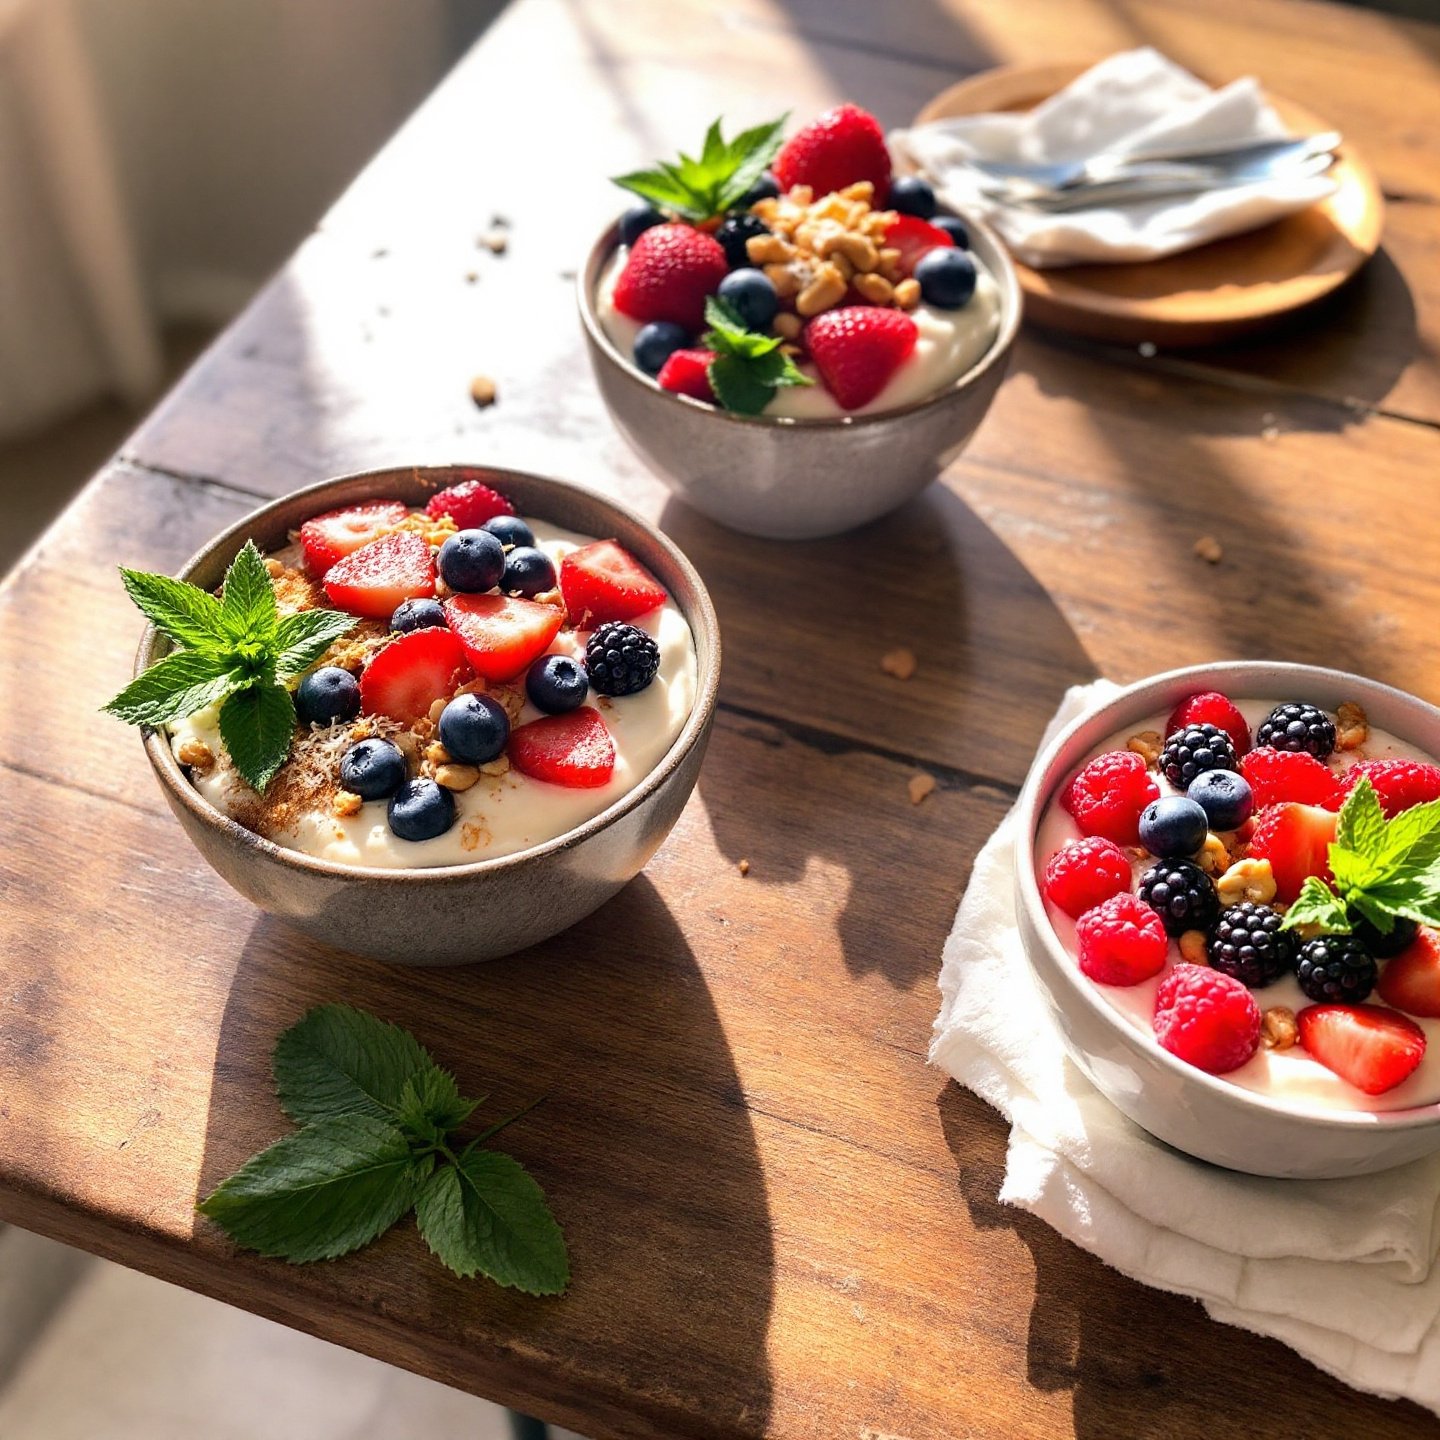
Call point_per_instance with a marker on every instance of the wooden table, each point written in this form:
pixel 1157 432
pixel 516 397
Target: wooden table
pixel 782 1222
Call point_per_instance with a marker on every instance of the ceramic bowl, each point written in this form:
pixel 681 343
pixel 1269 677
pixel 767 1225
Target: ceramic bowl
pixel 451 915
pixel 1202 1114
pixel 789 479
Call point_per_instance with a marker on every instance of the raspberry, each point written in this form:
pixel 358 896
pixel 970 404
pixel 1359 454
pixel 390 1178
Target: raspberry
pixel 1398 783
pixel 1248 945
pixel 1211 708
pixel 1107 796
pixel 1121 942
pixel 1181 894
pixel 1207 1019
pixel 1277 776
pixel 1299 727
pixel 1080 875
pixel 1336 969
pixel 1194 750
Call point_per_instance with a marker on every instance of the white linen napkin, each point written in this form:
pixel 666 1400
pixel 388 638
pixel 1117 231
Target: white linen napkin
pixel 1136 102
pixel 1340 1270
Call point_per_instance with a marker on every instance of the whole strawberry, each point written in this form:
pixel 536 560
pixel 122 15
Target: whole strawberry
pixel 858 348
pixel 669 272
pixel 834 150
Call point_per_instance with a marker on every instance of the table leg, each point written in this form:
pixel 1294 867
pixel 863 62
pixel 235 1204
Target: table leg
pixel 525 1427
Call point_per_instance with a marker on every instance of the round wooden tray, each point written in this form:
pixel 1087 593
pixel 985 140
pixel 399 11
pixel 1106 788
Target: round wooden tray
pixel 1204 296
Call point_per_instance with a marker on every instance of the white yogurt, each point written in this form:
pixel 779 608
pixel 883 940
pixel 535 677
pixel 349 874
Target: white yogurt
pixel 1291 1076
pixel 506 813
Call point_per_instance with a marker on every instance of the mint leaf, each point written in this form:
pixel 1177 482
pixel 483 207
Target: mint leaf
pixel 736 388
pixel 1414 897
pixel 1360 826
pixel 180 684
pixel 257 725
pixel 301 639
pixel 1412 838
pixel 1317 904
pixel 485 1215
pixel 189 615
pixel 751 152
pixel 247 606
pixel 324 1191
pixel 700 189
pixel 748 367
pixel 1364 904
pixel 431 1104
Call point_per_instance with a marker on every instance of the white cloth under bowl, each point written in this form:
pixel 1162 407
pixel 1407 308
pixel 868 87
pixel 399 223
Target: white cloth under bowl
pixel 1340 1270
pixel 1137 102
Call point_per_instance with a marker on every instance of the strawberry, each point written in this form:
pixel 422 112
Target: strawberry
pixel 1399 784
pixel 406 678
pixel 469 504
pixel 1411 980
pixel 1210 707
pixel 668 273
pixel 604 581
pixel 834 150
pixel 1275 776
pixel 687 372
pixel 1371 1047
pixel 913 238
pixel 574 749
pixel 858 348
pixel 1296 840
pixel 330 537
pixel 374 579
pixel 502 634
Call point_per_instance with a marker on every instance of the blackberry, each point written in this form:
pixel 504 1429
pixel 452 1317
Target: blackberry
pixel 1298 726
pixel 620 659
pixel 733 233
pixel 1383 947
pixel 1181 894
pixel 1248 944
pixel 1335 970
pixel 1194 750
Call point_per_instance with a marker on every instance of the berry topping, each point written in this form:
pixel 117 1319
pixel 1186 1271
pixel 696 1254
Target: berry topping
pixel 330 537
pixel 604 581
pixel 1121 941
pixel 1173 827
pixel 857 348
pixel 556 684
pixel 327 695
pixel 1206 1018
pixel 1296 840
pixel 474 729
pixel 1081 875
pixel 374 769
pixel 752 295
pixel 955 228
pixel 914 239
pixel 1298 727
pixel 1224 796
pixel 1193 750
pixel 1107 796
pixel 409 675
pixel 621 659
pixel 1276 776
pixel 911 195
pixel 947 278
pixel 502 634
pixel 509 530
pixel 468 504
pixel 836 149
pixel 1248 944
pixel 472 561
pixel 656 342
pixel 1181 894
pixel 421 810
pixel 1335 968
pixel 574 750
pixel 528 572
pixel 416 615
pixel 1373 1048
pixel 687 372
pixel 636 221
pixel 373 580
pixel 1210 707
pixel 735 232
pixel 1411 981
pixel 668 273
pixel 1399 784
pixel 1401 933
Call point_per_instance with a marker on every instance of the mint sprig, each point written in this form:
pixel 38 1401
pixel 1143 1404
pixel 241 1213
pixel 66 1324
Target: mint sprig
pixel 748 367
pixel 377 1116
pixel 235 649
pixel 698 190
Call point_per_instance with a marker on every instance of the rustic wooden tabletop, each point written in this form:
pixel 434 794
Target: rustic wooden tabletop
pixel 782 1222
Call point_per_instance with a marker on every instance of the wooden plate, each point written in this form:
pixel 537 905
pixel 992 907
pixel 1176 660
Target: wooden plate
pixel 1203 296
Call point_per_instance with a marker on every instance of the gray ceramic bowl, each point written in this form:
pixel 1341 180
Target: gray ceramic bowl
pixel 791 479
pixel 1201 1114
pixel 454 914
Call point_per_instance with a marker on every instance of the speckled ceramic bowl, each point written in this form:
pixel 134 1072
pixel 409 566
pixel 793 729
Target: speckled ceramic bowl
pixel 451 915
pixel 1202 1114
pixel 789 479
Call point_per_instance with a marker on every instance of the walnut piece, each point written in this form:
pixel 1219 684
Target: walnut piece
pixel 1250 880
pixel 1278 1030
pixel 1192 947
pixel 1147 744
pixel 1214 858
pixel 1352 726
pixel 195 753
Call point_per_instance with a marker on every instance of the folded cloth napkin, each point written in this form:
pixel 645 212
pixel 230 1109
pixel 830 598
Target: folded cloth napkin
pixel 1340 1270
pixel 1136 103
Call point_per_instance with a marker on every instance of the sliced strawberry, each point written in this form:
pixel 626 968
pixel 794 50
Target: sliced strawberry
pixel 502 634
pixel 1276 776
pixel 1296 840
pixel 1411 980
pixel 836 149
pixel 373 580
pixel 1399 784
pixel 604 581
pixel 668 273
pixel 1210 707
pixel 469 504
pixel 410 674
pixel 687 372
pixel 857 348
pixel 335 534
pixel 1371 1047
pixel 574 749
pixel 913 237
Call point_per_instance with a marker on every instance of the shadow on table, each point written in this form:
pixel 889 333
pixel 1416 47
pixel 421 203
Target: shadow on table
pixel 642 1146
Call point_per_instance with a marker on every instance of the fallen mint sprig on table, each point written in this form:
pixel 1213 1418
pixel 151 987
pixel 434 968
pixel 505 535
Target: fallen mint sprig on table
pixel 377 1115
pixel 748 367
pixel 237 649
pixel 700 189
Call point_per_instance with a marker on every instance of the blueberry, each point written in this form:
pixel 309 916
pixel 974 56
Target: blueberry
pixel 327 695
pixel 1173 827
pixel 510 530
pixel 529 571
pixel 1224 796
pixel 955 228
pixel 753 297
pixel 656 342
pixel 767 187
pixel 946 276
pixel 373 769
pixel 472 561
pixel 911 195
pixel 417 615
pixel 421 810
pixel 733 233
pixel 556 683
pixel 474 729
pixel 636 221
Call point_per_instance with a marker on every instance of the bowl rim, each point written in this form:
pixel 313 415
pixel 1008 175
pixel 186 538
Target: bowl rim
pixel 1030 809
pixel 997 262
pixel 703 621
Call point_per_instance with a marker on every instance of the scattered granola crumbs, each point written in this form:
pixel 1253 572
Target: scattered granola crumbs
pixel 1147 744
pixel 471 276
pixel 195 753
pixel 900 663
pixel 1278 1030
pixel 1352 728
pixel 1192 947
pixel 482 391
pixel 743 867
pixel 1208 548
pixel 345 804
pixel 920 786
pixel 273 567
pixel 496 241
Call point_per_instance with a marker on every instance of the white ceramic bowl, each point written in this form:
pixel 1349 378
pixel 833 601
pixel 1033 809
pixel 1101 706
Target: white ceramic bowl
pixel 1205 1115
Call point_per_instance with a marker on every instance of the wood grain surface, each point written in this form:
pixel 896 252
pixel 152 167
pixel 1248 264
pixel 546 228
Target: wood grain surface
pixel 782 1222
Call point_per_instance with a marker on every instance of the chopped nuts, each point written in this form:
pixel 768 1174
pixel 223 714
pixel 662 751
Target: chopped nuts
pixel 1192 947
pixel 920 786
pixel 1214 858
pixel 1208 548
pixel 825 290
pixel 195 753
pixel 907 293
pixel 769 250
pixel 456 777
pixel 788 326
pixel 437 709
pixel 345 804
pixel 743 867
pixel 1278 1030
pixel 498 766
pixel 899 663
pixel 875 288
pixel 436 753
pixel 1250 880
pixel 1147 744
pixel 482 391
pixel 273 568
pixel 1352 727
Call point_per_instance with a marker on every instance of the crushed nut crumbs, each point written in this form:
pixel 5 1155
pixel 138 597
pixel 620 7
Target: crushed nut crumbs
pixel 1209 549
pixel 1147 744
pixel 919 786
pixel 1352 726
pixel 1193 949
pixel 1278 1030
pixel 900 663
pixel 743 867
